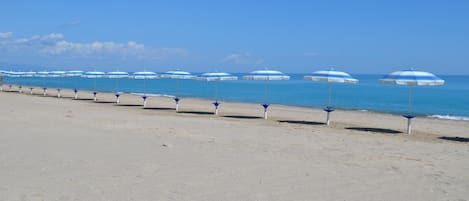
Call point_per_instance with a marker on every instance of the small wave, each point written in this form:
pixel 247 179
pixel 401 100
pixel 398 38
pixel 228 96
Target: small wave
pixel 459 118
pixel 154 95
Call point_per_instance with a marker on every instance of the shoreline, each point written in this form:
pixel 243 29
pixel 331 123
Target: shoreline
pixel 419 115
pixel 341 118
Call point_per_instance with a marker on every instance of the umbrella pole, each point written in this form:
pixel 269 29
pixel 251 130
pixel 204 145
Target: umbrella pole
pixel 144 92
pixel 409 116
pixel 94 90
pixel 176 99
pixel 216 103
pixel 329 109
pixel 117 91
pixel 265 105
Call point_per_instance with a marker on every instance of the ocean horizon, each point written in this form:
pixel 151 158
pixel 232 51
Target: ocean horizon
pixel 446 102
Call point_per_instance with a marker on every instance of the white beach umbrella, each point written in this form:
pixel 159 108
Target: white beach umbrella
pixel 57 74
pixel 144 75
pixel 117 75
pixel 266 75
pixel 177 74
pixel 216 77
pixel 411 78
pixel 330 76
pixel 94 75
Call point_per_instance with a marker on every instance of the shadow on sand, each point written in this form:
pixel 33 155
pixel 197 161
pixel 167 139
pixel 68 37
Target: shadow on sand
pixel 301 122
pixel 159 108
pixel 129 105
pixel 196 112
pixel 105 102
pixel 84 99
pixel 241 117
pixel 455 139
pixel 374 130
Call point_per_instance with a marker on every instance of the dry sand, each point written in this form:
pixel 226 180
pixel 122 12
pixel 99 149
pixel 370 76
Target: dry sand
pixel 64 149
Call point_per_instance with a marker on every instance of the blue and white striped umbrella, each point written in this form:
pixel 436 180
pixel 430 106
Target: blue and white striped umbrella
pixel 144 75
pixel 266 75
pixel 117 75
pixel 177 74
pixel 330 76
pixel 56 74
pixel 216 77
pixel 74 73
pixel 411 78
pixel 42 74
pixel 94 74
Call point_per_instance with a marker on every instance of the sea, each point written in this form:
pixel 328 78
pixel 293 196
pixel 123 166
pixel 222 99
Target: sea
pixel 450 101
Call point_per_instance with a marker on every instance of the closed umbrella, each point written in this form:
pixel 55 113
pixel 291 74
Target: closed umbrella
pixel 411 78
pixel 144 75
pixel 266 75
pixel 94 75
pixel 216 77
pixel 330 76
pixel 177 74
pixel 117 75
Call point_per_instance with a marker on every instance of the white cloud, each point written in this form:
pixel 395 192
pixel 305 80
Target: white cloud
pixel 242 58
pixel 55 45
pixel 5 35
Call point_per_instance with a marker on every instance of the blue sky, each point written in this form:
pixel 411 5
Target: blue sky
pixel 236 36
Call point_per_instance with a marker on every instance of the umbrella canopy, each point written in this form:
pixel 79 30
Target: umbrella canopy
pixel 74 73
pixel 42 74
pixel 266 75
pixel 330 76
pixel 117 74
pixel 56 74
pixel 145 75
pixel 177 74
pixel 216 77
pixel 94 74
pixel 411 78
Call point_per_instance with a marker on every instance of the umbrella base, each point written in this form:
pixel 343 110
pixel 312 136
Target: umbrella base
pixel 328 110
pixel 409 118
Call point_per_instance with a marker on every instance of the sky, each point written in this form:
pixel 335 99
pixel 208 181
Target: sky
pixel 236 36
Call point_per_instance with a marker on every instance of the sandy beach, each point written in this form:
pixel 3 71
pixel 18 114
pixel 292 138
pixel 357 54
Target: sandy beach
pixel 64 149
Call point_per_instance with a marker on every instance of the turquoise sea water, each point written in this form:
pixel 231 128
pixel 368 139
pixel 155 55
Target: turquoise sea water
pixel 448 101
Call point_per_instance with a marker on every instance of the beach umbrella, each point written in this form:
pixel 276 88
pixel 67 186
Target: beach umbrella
pixel 216 77
pixel 331 76
pixel 266 75
pixel 177 74
pixel 117 75
pixel 57 74
pixel 94 75
pixel 144 75
pixel 411 78
pixel 74 73
pixel 15 74
pixel 44 75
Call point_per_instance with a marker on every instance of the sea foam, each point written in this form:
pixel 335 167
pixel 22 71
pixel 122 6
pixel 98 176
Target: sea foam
pixel 459 118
